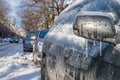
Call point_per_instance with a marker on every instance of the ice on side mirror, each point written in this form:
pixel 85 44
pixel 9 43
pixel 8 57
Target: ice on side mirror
pixel 94 26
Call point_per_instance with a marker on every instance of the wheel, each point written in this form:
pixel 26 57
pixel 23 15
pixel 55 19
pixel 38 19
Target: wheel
pixel 44 73
pixel 24 50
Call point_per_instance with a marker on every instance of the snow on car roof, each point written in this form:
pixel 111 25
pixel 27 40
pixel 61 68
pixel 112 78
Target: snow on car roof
pixel 114 4
pixel 95 13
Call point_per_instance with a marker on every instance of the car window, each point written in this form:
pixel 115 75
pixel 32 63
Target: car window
pixel 14 38
pixel 64 22
pixel 66 17
pixel 32 34
pixel 97 5
pixel 43 33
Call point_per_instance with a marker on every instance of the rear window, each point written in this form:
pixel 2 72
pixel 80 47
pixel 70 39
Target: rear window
pixel 43 33
pixel 32 34
pixel 14 38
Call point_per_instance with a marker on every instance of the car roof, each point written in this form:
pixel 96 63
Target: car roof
pixel 113 4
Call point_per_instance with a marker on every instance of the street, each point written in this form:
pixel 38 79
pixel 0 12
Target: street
pixel 17 65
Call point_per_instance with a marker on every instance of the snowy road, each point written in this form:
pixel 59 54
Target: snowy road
pixel 15 65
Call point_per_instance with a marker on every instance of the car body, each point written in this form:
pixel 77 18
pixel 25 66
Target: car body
pixel 29 40
pixel 81 45
pixel 14 40
pixel 5 39
pixel 37 50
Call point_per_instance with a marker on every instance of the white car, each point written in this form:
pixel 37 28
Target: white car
pixel 6 39
pixel 37 47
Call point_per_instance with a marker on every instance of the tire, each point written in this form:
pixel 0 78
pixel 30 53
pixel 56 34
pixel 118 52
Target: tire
pixel 24 50
pixel 44 73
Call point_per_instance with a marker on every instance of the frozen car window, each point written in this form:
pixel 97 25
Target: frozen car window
pixel 66 17
pixel 98 5
pixel 43 33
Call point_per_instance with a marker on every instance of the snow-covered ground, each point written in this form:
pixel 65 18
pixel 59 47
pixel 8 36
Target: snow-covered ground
pixel 16 65
pixel 4 46
pixel 4 43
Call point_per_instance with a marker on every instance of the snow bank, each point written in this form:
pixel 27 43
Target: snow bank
pixel 19 67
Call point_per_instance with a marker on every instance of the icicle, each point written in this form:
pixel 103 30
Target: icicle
pixel 94 43
pixel 86 42
pixel 68 70
pixel 73 73
pixel 100 48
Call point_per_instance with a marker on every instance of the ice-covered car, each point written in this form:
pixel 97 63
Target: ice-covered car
pixel 37 49
pixel 81 45
pixel 28 42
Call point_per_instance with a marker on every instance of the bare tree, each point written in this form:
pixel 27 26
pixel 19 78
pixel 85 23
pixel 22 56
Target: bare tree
pixel 3 11
pixel 51 8
pixel 4 22
pixel 31 16
pixel 37 14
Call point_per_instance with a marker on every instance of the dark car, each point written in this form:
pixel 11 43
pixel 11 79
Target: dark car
pixel 82 43
pixel 14 40
pixel 29 40
pixel 37 51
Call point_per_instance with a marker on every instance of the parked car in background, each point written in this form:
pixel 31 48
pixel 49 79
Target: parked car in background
pixel 81 45
pixel 6 40
pixel 37 50
pixel 14 40
pixel 0 39
pixel 29 40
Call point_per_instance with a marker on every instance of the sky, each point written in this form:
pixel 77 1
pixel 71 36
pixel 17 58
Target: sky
pixel 13 8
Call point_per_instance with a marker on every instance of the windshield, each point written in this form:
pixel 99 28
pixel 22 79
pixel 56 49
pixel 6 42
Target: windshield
pixel 98 5
pixel 43 33
pixel 14 38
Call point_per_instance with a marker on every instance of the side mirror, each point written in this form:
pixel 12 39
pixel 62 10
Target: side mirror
pixel 94 26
